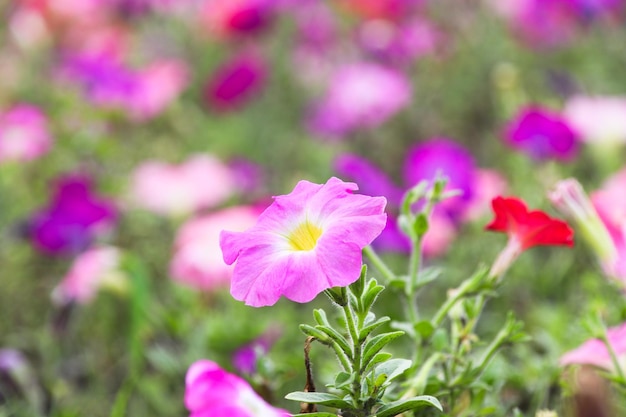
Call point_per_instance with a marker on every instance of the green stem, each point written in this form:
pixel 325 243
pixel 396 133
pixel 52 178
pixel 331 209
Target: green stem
pixel 616 364
pixel 356 351
pixel 379 264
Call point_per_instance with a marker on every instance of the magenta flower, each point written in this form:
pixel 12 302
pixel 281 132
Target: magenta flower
pixel 360 96
pixel 228 18
pixel 305 242
pixel 89 272
pixel 73 219
pixel 197 261
pixel 542 134
pixel 235 83
pixel 448 158
pixel 202 181
pixel 24 134
pixel 245 358
pixel 142 94
pixel 594 351
pixel 210 391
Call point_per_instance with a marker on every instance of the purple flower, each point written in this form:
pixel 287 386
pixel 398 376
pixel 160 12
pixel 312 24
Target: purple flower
pixel 73 219
pixel 360 96
pixel 246 357
pixel 447 158
pixel 235 83
pixel 305 242
pixel 542 134
pixel 108 83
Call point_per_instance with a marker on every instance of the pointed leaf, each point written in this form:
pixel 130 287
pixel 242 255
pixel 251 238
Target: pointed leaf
pixel 375 344
pixel 392 368
pixel 321 398
pixel 400 406
pixel 365 331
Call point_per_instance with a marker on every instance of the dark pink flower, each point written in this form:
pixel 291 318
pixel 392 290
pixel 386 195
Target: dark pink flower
pixel 235 83
pixel 542 134
pixel 74 217
pixel 227 18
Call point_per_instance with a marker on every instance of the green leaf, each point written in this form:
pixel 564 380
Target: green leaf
pixel 343 379
pixel 420 225
pixel 358 286
pixel 400 406
pixel 378 358
pixel 428 275
pixel 337 337
pixel 370 294
pixel 424 329
pixel 316 333
pixel 375 344
pixel 321 398
pixel 365 331
pixel 392 368
pixel 320 317
pixel 315 415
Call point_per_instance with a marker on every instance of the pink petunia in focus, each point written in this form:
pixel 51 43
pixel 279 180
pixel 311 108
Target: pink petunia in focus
pixel 197 261
pixel 90 271
pixel 305 242
pixel 360 96
pixel 202 181
pixel 210 391
pixel 24 134
pixel 594 352
pixel 598 120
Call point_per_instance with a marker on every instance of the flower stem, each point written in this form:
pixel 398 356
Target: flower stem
pixel 379 264
pixel 356 351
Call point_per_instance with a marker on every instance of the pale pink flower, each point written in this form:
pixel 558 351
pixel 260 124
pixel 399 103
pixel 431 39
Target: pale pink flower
pixel 90 271
pixel 159 84
pixel 441 233
pixel 360 96
pixel 600 119
pixel 594 351
pixel 24 134
pixel 305 242
pixel 202 181
pixel 610 203
pixel 197 260
pixel 210 391
pixel 487 185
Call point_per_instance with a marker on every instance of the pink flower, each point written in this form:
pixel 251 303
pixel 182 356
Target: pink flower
pixel 305 242
pixel 487 185
pixel 24 134
pixel 197 260
pixel 360 96
pixel 235 83
pixel 610 203
pixel 227 18
pixel 594 351
pixel 90 271
pixel 598 119
pixel 200 182
pixel 210 391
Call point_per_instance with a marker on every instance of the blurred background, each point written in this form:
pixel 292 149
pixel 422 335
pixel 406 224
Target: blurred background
pixel 133 131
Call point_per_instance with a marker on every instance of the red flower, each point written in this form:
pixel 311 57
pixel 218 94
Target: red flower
pixel 528 228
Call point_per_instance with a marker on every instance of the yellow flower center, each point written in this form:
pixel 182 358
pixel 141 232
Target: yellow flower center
pixel 305 236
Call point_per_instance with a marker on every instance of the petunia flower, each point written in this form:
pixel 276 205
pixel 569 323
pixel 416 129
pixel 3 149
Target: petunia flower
pixel 360 96
pixel 598 120
pixel 594 351
pixel 235 82
pixel 24 134
pixel 526 228
pixel 245 358
pixel 210 391
pixel 197 261
pixel 305 242
pixel 91 270
pixel 202 181
pixel 542 134
pixel 74 218
pixel 230 18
